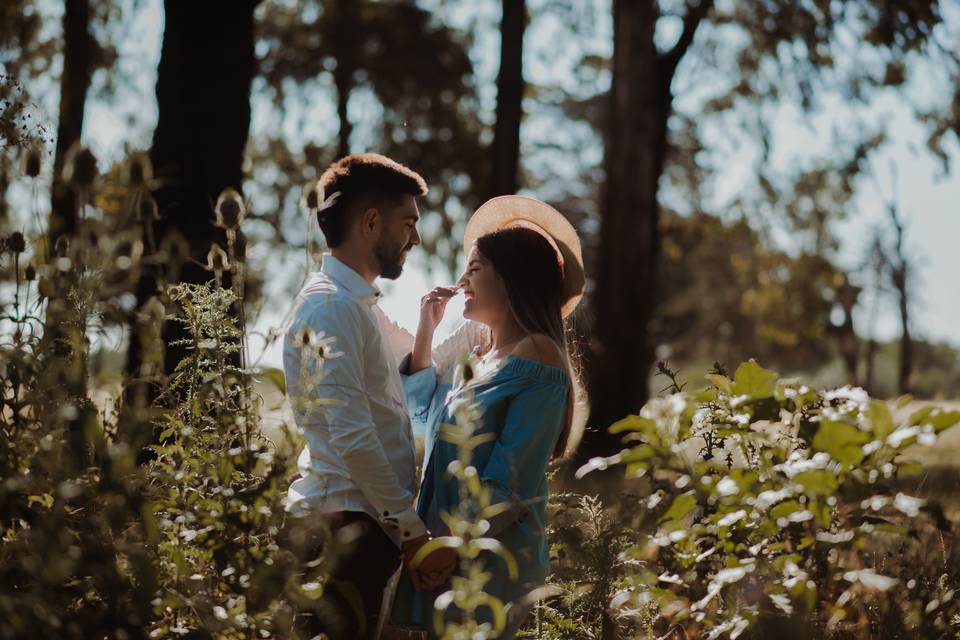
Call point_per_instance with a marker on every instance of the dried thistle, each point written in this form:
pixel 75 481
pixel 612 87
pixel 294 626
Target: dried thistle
pixel 230 209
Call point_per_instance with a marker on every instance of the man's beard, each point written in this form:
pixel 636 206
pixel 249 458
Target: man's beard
pixel 391 261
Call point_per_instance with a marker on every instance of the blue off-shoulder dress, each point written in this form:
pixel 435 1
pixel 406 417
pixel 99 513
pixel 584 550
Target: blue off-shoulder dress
pixel 523 402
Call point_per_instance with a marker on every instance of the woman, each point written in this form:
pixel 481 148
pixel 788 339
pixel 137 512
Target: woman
pixel 524 275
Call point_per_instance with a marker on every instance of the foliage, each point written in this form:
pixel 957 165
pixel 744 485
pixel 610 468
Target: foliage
pixel 773 508
pixel 93 543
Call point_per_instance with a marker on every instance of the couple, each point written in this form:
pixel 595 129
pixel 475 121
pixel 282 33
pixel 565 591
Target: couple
pixel 355 514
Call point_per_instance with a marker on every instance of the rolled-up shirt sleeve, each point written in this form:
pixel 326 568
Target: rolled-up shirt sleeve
pixel 347 424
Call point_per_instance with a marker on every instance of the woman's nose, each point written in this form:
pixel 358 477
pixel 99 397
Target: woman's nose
pixel 462 281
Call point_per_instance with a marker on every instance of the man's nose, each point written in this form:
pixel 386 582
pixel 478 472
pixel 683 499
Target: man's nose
pixel 415 237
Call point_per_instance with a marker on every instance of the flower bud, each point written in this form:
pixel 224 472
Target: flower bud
pixel 80 169
pixel 310 199
pixel 16 243
pixel 33 161
pixel 230 209
pixel 30 274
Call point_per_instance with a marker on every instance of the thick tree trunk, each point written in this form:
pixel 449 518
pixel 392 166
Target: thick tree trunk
pixel 203 94
pixel 621 355
pixel 505 150
pixel 64 328
pixel 74 84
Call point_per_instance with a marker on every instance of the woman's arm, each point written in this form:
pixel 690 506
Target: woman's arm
pixel 432 307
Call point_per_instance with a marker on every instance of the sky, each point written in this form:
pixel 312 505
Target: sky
pixel 929 199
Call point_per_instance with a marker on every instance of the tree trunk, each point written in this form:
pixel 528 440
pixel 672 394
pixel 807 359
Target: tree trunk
pixel 64 333
pixel 849 342
pixel 203 95
pixel 621 355
pixel 898 272
pixel 906 343
pixel 74 84
pixel 505 150
pixel 345 51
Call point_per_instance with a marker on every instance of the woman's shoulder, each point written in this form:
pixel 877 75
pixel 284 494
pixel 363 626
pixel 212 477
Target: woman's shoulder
pixel 540 348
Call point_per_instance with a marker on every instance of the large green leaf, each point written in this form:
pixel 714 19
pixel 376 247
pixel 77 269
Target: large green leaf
pixel 754 381
pixel 844 442
pixel 818 482
pixel 681 506
pixel 880 419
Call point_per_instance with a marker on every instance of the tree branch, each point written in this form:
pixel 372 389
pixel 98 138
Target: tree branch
pixel 694 16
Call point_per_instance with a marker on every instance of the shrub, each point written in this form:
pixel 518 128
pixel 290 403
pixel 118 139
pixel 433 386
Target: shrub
pixel 772 508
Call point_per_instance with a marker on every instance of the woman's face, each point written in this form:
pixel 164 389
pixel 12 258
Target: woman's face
pixel 485 295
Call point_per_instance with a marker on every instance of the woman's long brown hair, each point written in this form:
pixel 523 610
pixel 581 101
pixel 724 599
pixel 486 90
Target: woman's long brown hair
pixel 530 270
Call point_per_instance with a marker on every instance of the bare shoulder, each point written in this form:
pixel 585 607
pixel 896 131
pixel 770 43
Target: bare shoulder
pixel 539 347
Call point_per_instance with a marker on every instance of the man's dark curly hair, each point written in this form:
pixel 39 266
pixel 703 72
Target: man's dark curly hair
pixel 364 180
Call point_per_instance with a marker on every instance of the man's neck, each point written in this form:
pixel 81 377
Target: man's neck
pixel 358 262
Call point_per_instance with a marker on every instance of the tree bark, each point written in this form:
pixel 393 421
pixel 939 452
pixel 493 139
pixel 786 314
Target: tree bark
pixel 505 150
pixel 898 272
pixel 203 95
pixel 345 49
pixel 64 336
pixel 74 84
pixel 620 357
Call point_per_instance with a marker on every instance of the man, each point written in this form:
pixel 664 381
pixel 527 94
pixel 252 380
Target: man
pixel 358 475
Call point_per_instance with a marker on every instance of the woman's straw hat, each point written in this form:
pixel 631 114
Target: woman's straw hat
pixel 504 212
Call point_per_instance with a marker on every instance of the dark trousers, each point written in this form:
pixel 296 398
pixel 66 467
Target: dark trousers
pixel 350 554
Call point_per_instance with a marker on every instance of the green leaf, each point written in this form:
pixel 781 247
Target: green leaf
pixel 632 423
pixel 844 442
pixel 681 506
pixel 638 454
pixel 920 415
pixel 753 380
pixel 275 376
pixel 723 383
pixel 880 419
pixel 785 508
pixel 943 419
pixel 819 482
pixel 904 400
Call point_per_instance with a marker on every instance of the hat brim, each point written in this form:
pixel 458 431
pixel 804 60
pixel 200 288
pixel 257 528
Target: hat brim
pixel 504 212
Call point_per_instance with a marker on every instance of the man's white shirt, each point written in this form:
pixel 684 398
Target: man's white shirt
pixel 360 453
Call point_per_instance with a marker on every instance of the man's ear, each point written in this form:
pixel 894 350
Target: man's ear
pixel 370 221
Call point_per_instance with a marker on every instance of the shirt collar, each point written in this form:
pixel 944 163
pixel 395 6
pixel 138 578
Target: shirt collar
pixel 350 280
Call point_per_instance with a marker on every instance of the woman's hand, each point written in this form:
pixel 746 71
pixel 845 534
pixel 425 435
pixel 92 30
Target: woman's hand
pixel 432 307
